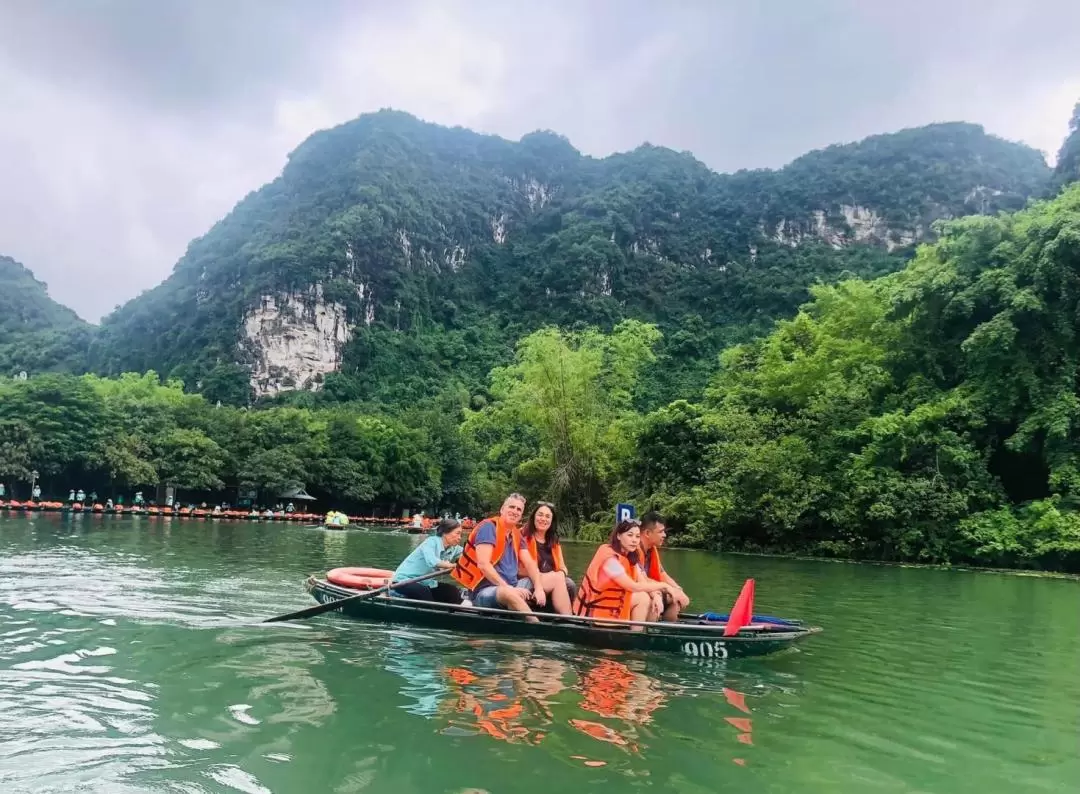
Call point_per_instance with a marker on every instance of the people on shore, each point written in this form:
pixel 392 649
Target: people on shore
pixel 438 552
pixel 540 537
pixel 488 566
pixel 667 604
pixel 614 586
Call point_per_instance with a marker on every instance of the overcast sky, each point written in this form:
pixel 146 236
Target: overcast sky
pixel 129 127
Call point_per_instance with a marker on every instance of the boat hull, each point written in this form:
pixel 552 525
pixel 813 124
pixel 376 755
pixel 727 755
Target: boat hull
pixel 680 639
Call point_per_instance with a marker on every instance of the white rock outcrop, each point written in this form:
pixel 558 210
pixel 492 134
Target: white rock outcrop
pixel 454 258
pixel 860 225
pixel 498 228
pixel 980 197
pixel 296 339
pixel 604 283
pixel 538 194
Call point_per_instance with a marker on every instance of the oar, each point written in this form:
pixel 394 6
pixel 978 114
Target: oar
pixel 330 606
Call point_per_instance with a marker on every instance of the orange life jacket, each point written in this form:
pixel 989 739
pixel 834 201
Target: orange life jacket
pixel 601 596
pixel 556 553
pixel 653 568
pixel 467 572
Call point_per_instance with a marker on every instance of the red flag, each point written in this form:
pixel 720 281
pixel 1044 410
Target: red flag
pixel 742 614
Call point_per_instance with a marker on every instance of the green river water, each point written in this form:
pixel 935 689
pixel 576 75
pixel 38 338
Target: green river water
pixel 132 660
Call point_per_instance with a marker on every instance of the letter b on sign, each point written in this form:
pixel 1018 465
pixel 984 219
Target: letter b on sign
pixel 623 512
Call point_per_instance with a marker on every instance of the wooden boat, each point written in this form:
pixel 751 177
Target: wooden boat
pixel 692 636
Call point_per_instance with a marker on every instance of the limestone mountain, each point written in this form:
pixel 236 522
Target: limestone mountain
pixel 36 333
pixel 1067 169
pixel 393 256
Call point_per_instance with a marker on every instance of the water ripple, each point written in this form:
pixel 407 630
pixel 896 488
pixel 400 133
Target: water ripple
pixel 131 660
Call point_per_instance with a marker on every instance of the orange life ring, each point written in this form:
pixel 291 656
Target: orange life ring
pixel 359 578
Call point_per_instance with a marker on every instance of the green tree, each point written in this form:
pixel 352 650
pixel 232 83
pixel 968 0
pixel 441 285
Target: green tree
pixel 64 415
pixel 188 459
pixel 273 470
pixel 19 448
pixel 127 459
pixel 569 397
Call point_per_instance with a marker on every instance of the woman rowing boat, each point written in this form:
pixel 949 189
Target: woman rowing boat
pixel 438 551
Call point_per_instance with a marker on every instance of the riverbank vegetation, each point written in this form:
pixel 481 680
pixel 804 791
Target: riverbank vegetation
pixel 922 406
pixel 928 415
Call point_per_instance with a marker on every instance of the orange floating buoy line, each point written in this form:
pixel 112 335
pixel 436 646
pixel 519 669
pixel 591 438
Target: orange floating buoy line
pixel 199 513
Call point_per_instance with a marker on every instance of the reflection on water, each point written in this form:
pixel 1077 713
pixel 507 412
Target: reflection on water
pixel 132 659
pixel 528 693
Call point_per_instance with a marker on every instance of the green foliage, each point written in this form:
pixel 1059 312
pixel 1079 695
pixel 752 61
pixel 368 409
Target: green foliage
pixel 63 414
pixel 561 417
pixel 36 333
pixel 1037 534
pixel 135 431
pixel 1067 169
pixel 188 459
pixel 19 447
pixel 931 414
pixel 523 317
pixel 443 247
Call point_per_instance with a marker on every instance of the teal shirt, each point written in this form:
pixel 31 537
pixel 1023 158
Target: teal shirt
pixel 423 558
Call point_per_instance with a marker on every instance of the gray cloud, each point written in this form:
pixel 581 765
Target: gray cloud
pixel 129 127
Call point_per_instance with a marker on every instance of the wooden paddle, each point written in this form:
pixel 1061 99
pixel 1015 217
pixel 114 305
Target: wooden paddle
pixel 330 606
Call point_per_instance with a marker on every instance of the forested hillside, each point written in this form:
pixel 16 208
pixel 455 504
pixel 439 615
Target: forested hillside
pixel 1067 169
pixel 930 414
pixel 393 258
pixel 37 333
pixel 431 317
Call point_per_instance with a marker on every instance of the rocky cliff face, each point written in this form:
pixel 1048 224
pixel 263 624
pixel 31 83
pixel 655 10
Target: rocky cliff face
pixel 847 225
pixel 389 246
pixel 293 341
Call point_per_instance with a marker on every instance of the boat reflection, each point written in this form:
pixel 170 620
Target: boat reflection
pixel 510 700
pixel 526 693
pixel 611 690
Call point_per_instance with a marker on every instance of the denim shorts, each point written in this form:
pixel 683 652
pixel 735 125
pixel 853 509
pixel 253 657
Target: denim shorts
pixel 485 597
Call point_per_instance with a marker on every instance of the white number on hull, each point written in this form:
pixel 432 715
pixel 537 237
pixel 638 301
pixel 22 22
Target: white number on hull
pixel 709 650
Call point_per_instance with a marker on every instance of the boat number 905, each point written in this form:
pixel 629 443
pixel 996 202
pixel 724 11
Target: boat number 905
pixel 714 649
